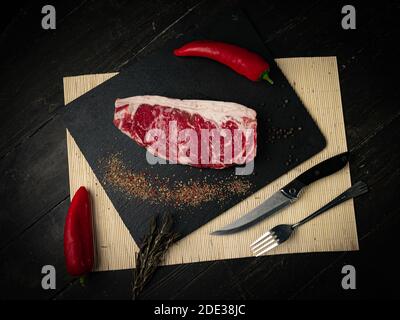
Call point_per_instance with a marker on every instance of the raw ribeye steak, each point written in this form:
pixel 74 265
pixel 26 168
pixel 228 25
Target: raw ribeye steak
pixel 201 133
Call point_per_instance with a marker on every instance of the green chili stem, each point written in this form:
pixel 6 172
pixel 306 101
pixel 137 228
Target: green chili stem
pixel 265 76
pixel 82 281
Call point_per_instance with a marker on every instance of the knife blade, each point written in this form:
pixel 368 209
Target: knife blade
pixel 287 195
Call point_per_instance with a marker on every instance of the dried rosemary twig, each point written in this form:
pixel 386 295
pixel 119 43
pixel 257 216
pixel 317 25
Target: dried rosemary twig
pixel 152 252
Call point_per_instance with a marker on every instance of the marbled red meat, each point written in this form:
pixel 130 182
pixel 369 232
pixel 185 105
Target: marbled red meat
pixel 201 133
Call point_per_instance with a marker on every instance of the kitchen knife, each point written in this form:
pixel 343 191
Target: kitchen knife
pixel 287 195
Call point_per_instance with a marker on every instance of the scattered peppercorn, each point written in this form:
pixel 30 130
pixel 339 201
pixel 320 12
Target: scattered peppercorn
pixel 279 133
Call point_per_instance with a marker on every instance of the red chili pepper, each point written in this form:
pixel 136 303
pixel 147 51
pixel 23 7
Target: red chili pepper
pixel 78 235
pixel 247 63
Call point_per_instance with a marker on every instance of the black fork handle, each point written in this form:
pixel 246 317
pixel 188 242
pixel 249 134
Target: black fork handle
pixel 357 189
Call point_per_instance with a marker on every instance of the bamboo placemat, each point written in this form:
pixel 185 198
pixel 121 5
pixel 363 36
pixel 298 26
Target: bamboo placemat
pixel 316 81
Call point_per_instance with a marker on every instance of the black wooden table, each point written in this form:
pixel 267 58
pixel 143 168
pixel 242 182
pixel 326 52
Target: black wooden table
pixel 103 36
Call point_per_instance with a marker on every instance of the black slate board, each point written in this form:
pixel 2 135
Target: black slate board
pixel 89 119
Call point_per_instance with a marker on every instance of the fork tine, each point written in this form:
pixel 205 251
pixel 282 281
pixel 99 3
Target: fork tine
pixel 260 243
pixel 261 238
pixel 267 249
pixel 264 245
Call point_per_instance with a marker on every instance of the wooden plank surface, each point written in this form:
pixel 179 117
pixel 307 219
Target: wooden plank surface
pixel 33 157
pixel 316 82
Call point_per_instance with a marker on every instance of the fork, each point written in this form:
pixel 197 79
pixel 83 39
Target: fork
pixel 282 232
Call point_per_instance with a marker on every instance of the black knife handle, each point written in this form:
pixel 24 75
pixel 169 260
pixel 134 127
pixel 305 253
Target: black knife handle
pixel 321 170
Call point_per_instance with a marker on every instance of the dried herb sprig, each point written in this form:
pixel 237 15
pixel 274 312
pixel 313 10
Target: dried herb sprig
pixel 151 254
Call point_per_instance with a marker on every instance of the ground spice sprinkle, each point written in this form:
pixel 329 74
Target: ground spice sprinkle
pixel 179 193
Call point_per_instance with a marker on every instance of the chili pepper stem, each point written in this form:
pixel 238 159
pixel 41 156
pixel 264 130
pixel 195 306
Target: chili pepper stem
pixel 82 281
pixel 265 76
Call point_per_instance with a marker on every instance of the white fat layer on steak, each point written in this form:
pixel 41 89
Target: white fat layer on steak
pixel 217 111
